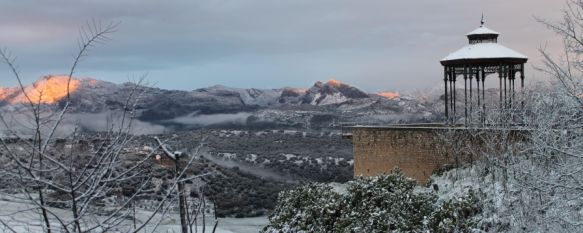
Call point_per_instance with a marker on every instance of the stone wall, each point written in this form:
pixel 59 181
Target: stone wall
pixel 378 150
pixel 417 150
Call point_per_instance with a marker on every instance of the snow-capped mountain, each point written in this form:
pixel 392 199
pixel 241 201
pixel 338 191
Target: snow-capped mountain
pixel 47 90
pixel 332 92
pixel 252 96
pixel 324 104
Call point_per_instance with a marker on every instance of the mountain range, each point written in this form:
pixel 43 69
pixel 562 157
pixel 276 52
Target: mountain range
pixel 323 105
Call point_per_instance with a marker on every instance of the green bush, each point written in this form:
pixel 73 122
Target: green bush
pixel 376 204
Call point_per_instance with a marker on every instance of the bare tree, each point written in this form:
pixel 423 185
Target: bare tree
pixel 188 212
pixel 79 173
pixel 34 168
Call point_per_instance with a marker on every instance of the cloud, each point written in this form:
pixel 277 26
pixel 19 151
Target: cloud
pixel 22 123
pixel 204 120
pixel 260 43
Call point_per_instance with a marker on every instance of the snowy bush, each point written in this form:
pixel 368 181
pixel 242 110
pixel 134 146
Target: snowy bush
pixel 455 215
pixel 384 203
pixel 389 203
pixel 312 208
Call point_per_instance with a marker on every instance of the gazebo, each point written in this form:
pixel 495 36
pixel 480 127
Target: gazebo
pixel 482 57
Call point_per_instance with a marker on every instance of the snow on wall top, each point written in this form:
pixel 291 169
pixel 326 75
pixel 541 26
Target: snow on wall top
pixel 482 30
pixel 483 50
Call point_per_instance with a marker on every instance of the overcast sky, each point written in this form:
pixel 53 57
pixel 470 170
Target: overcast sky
pixel 373 44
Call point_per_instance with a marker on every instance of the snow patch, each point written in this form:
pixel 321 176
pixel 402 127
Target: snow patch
pixel 289 156
pixel 228 156
pixel 251 158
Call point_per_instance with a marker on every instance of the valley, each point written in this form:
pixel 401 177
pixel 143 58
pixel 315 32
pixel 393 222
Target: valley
pixel 242 147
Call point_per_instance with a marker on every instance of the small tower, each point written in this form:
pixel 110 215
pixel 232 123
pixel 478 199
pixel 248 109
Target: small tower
pixel 482 57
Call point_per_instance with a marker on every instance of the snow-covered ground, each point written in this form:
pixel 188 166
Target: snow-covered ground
pixel 509 204
pixel 15 213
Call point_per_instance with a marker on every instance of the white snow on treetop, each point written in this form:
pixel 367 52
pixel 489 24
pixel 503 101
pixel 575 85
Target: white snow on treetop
pixel 483 50
pixel 483 30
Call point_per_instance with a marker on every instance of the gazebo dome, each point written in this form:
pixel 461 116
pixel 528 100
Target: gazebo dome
pixel 483 31
pixel 484 49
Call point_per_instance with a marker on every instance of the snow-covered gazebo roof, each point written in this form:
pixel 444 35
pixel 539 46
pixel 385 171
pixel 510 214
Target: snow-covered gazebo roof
pixel 483 49
pixel 482 57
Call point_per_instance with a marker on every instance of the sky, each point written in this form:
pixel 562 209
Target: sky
pixel 376 45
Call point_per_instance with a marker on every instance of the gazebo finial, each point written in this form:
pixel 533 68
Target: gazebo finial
pixel 482 21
